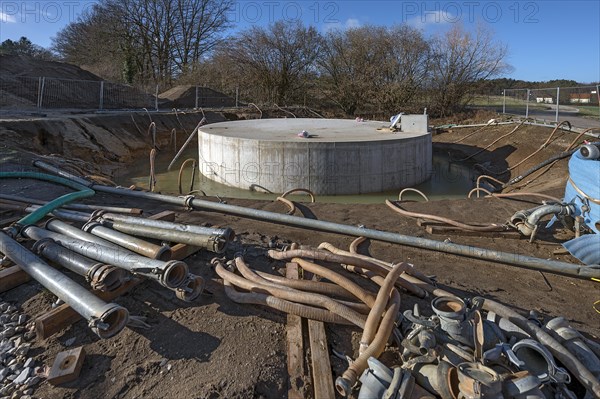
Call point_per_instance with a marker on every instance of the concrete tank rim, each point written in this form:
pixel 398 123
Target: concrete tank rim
pixel 364 133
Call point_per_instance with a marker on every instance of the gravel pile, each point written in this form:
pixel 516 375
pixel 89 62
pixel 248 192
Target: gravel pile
pixel 18 374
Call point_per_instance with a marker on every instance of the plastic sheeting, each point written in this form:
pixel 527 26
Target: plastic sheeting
pixel 585 248
pixel 585 173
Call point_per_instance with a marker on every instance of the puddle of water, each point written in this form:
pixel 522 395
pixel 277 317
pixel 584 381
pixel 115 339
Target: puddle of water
pixel 449 180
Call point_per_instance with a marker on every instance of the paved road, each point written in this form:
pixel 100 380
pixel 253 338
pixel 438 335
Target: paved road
pixel 549 115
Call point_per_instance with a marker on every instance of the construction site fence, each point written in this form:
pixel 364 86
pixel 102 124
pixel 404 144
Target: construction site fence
pixel 552 104
pixel 26 93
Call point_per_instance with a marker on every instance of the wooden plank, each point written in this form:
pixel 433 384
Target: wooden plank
pixel 295 347
pixel 321 366
pixel 182 251
pixel 63 316
pixel 319 356
pixel 12 277
pixel 67 366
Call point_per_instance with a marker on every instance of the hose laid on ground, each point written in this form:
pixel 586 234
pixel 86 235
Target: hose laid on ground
pixel 491 144
pixel 344 383
pixel 403 212
pixel 418 279
pixel 496 256
pixel 179 177
pixel 367 297
pixel 40 213
pixel 544 145
pixel 414 190
pixel 282 305
pixel 378 308
pixel 344 259
pixel 290 205
pixel 511 195
pixel 293 295
pixel 587 379
pixel 318 287
pixel 491 121
pixel 301 190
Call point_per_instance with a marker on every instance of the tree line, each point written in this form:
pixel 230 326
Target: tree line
pixel 363 70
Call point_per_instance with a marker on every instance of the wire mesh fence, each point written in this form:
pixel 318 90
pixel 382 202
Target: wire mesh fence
pixel 580 105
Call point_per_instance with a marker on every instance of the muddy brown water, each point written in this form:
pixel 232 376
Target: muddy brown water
pixel 448 180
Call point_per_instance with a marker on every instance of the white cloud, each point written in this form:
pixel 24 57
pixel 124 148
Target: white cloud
pixel 6 18
pixel 350 23
pixel 428 18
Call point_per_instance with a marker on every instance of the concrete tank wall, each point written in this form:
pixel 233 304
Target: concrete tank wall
pixel 328 163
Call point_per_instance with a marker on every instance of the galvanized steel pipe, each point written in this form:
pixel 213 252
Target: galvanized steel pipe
pixel 134 244
pixel 101 277
pixel 170 274
pixel 417 242
pixel 58 226
pixel 105 319
pixel 213 243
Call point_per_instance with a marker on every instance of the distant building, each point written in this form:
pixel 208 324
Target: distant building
pixel 580 98
pixel 544 100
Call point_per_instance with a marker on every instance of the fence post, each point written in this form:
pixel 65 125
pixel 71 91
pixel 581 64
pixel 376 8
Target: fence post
pixel 156 98
pixel 237 96
pixel 598 95
pixel 101 95
pixel 557 103
pixel 527 104
pixel 196 99
pixel 504 101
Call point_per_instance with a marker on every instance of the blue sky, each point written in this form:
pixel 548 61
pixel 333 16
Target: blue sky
pixel 546 39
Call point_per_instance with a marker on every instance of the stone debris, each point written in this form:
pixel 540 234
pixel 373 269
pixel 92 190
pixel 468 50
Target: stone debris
pixel 17 371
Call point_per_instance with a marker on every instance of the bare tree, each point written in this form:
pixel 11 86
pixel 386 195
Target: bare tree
pixel 279 58
pixel 461 59
pixel 373 67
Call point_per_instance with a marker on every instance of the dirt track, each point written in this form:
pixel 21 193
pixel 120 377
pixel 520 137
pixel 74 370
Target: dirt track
pixel 217 349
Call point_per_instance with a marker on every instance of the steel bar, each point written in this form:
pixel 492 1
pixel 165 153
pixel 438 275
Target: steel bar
pixel 105 319
pixel 417 242
pixel 100 276
pixel 58 226
pixel 170 274
pixel 134 244
pixel 74 206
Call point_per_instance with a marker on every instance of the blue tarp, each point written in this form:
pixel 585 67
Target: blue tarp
pixel 585 173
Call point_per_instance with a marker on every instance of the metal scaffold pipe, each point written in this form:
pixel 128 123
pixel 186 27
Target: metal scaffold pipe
pixel 514 259
pixel 170 274
pixel 105 319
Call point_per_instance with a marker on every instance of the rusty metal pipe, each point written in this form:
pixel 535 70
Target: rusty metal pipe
pixel 134 244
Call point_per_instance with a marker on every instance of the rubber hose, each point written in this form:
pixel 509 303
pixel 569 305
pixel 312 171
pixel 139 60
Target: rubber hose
pixel 292 295
pixel 575 367
pixel 318 287
pixel 403 212
pixel 44 210
pixel 282 305
pixel 349 285
pixel 344 383
pixel 378 308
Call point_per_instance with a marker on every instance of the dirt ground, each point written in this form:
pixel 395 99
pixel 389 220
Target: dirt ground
pixel 215 348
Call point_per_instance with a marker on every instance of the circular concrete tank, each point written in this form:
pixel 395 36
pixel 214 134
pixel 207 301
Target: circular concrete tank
pixel 339 157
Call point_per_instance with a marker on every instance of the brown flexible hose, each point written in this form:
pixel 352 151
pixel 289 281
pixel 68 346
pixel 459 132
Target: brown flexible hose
pixel 318 287
pixel 378 308
pixel 301 190
pixel 355 243
pixel 349 285
pixel 542 146
pixel 510 195
pixel 344 383
pixel 180 176
pixel 574 142
pixel 291 294
pixel 476 131
pixel 290 205
pixel 492 143
pixel 152 177
pixel 282 305
pixel 460 225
